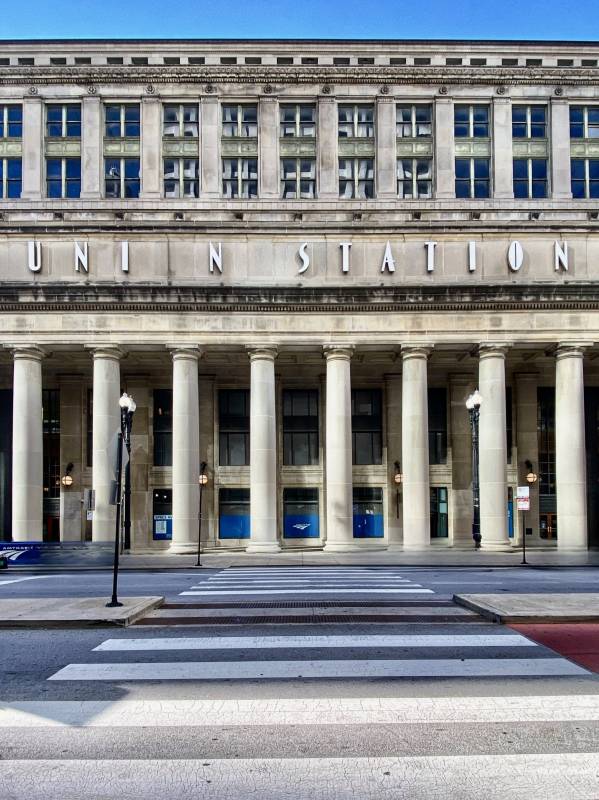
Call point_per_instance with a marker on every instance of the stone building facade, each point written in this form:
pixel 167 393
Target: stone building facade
pixel 300 258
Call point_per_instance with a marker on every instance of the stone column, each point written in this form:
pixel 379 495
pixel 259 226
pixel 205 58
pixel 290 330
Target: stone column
pixel 503 167
pixel 444 150
pixel 527 440
pixel 570 453
pixel 209 523
pixel 106 426
pixel 91 148
pixel 210 166
pixel 71 449
pixel 268 144
pixel 141 463
pixel 560 151
pixel 151 142
pixel 328 149
pixel 27 445
pixel 186 450
pixel 460 437
pixel 263 451
pixel 338 455
pixel 394 492
pixel 414 437
pixel 493 448
pixel 33 150
pixel 386 156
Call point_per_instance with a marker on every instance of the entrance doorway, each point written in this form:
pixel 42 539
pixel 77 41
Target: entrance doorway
pixel 548 526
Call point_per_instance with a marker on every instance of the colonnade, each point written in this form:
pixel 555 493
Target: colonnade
pixel 27 490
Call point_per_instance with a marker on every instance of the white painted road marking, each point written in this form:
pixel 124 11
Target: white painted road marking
pixel 247 591
pixel 30 578
pixel 267 642
pixel 299 711
pixel 353 668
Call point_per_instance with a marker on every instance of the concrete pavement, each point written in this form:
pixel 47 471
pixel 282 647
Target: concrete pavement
pixel 64 612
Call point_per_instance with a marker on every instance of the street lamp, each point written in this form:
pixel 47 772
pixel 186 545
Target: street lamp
pixel 473 404
pixel 202 481
pixel 67 478
pixel 397 479
pixel 127 405
pixel 531 478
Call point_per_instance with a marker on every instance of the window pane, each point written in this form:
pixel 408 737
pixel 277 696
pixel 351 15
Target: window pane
pixel 132 120
pixel 461 121
pixel 54 120
pixel 462 168
pixel 577 168
pixel 113 120
pixel 520 169
pixel 481 168
pixel 53 168
pixel 519 114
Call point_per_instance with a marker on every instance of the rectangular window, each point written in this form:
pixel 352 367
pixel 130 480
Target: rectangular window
pixel 63 121
pixel 585 178
pixel 356 178
pixel 233 513
pixel 530 178
pixel 89 427
pixel 472 177
pixel 234 427
pixel 240 177
pixel 414 121
pixel 121 177
pixel 300 427
pixel 298 120
pixel 300 513
pixel 51 442
pixel 163 427
pixel 11 175
pixel 367 426
pixel 529 122
pixel 63 177
pixel 368 512
pixel 11 122
pixel 180 121
pixel 546 440
pixel 437 426
pixel 471 122
pixel 181 177
pixel 584 122
pixel 509 428
pixel 240 120
pixel 356 121
pixel 122 121
pixel 438 511
pixel 298 178
pixel 414 178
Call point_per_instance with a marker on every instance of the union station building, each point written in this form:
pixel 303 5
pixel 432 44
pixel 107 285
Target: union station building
pixel 299 258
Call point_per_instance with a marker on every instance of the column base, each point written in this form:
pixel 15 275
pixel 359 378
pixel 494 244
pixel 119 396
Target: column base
pixel 263 547
pixel 497 547
pixel 341 547
pixel 183 548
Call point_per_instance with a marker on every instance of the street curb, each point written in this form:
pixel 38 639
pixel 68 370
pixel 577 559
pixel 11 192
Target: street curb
pixel 508 618
pixel 129 617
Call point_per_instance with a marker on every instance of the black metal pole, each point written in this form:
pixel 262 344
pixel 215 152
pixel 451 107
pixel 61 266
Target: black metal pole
pixel 119 476
pixel 474 417
pixel 199 564
pixel 127 509
pixel 523 537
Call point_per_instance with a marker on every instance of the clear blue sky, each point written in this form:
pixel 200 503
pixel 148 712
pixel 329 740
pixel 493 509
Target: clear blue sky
pixel 336 19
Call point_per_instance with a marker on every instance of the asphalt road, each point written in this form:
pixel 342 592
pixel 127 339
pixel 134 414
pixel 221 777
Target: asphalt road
pixel 422 710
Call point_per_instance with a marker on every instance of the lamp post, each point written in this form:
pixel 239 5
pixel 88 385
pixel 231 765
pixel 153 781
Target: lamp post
pixel 531 478
pixel 397 479
pixel 127 405
pixel 67 478
pixel 202 480
pixel 126 425
pixel 473 404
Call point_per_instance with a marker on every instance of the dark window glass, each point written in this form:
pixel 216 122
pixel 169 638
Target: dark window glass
pixel 576 122
pixel 538 122
pixel 73 124
pixel 234 513
pixel 13 177
pixel 480 121
pixel 368 512
pixel 461 122
pixel 546 439
pixel 132 124
pixel 15 121
pixel 367 426
pixel 51 444
pixel 519 127
pixel 300 513
pixel 132 183
pixel 437 426
pixel 163 427
pixel 113 121
pixel 112 171
pixel 438 511
pixel 508 422
pixel 481 177
pixel 234 427
pixel 54 121
pixel 89 428
pixel 577 173
pixel 54 177
pixel 300 427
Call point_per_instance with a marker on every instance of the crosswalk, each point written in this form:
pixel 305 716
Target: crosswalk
pixel 315 685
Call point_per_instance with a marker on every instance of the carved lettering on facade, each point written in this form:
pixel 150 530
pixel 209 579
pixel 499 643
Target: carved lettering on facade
pixel 304 257
pixel 471 256
pixel 34 256
pixel 430 256
pixel 345 248
pixel 124 256
pixel 515 256
pixel 561 256
pixel 216 257
pixel 81 260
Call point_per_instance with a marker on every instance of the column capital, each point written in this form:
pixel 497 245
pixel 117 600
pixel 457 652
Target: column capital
pixel 262 352
pixel 416 351
pixel 341 351
pixel 191 352
pixel 571 350
pixel 492 350
pixel 111 351
pixel 29 352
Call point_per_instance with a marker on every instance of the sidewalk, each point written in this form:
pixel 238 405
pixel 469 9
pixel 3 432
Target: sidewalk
pixel 79 612
pixel 100 558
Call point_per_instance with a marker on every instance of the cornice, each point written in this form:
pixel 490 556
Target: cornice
pixel 143 298
pixel 211 76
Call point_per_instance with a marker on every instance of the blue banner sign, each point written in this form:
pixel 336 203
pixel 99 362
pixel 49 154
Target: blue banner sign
pixel 163 526
pixel 22 552
pixel 368 526
pixel 234 526
pixel 301 526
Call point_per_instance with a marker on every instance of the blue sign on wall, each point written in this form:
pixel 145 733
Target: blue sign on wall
pixel 22 552
pixel 163 526
pixel 234 526
pixel 368 526
pixel 301 526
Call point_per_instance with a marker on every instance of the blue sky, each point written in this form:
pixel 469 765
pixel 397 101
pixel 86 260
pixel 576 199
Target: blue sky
pixel 435 19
